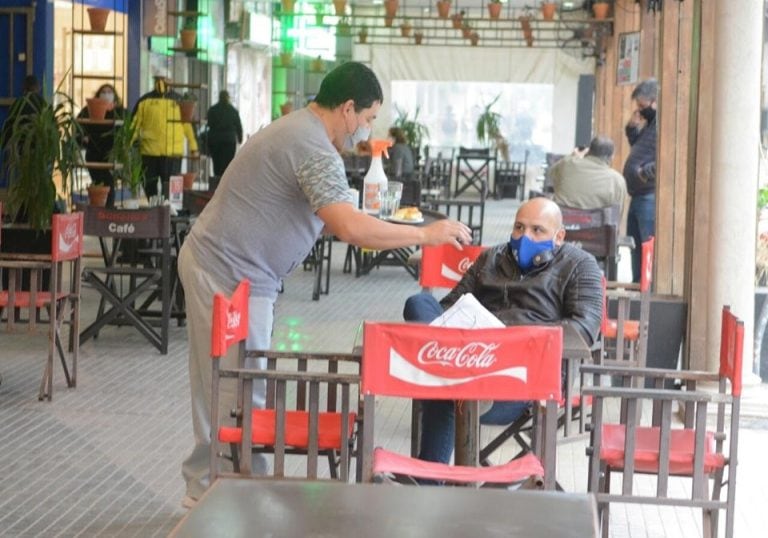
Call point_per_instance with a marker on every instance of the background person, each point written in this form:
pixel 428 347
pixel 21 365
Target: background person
pixel 640 169
pixel 157 121
pixel 225 132
pixel 284 187
pixel 534 279
pixel 99 139
pixel 587 181
pixel 400 155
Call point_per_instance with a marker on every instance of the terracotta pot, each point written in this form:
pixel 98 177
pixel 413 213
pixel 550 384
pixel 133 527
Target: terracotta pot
pixel 287 5
pixel 187 110
pixel 494 10
pixel 548 10
pixel 97 195
pixel 474 39
pixel 443 8
pixel 388 21
pixel 525 22
pixel 189 180
pixel 418 37
pixel 405 30
pixel 466 31
pixel 286 108
pixel 317 65
pixel 390 7
pixel 97 16
pixel 339 7
pixel 97 108
pixel 456 20
pixel 600 10
pixel 188 38
pixel 286 58
pixel 362 37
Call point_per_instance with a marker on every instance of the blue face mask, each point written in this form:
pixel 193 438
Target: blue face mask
pixel 529 253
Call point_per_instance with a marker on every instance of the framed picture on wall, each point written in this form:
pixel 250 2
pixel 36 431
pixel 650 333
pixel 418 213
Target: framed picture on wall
pixel 628 58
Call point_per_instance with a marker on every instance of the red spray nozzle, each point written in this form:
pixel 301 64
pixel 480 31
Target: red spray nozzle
pixel 379 146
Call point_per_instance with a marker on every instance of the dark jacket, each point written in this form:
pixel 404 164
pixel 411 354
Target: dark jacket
pixel 566 290
pixel 640 167
pixel 224 125
pixel 100 138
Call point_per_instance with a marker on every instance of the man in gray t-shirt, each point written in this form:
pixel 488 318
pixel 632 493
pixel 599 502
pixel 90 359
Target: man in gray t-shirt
pixel 285 185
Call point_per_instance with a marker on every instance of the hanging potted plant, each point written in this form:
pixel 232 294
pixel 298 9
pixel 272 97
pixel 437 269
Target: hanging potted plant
pixel 390 8
pixel 98 108
pixel 126 156
pixel 317 65
pixel 286 108
pixel 457 19
pixel 187 106
pixel 286 58
pixel 43 143
pixel 340 7
pixel 97 18
pixel 600 9
pixel 474 39
pixel 343 28
pixel 494 9
pixel 548 10
pixel 287 5
pixel 418 37
pixel 188 34
pixel 466 29
pixel 443 8
pixel 525 22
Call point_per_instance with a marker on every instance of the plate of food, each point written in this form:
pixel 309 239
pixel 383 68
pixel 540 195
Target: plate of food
pixel 407 215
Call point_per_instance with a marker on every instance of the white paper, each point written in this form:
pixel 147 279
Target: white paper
pixel 468 313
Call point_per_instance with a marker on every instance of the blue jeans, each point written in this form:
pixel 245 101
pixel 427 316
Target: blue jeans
pixel 437 416
pixel 641 224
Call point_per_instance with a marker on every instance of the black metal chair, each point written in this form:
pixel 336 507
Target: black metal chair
pixel 510 178
pixel 474 168
pixel 597 232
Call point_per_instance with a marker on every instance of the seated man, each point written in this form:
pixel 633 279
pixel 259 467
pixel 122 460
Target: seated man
pixel 535 279
pixel 589 182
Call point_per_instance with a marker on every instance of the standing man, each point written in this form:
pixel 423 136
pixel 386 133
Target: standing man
pixel 284 187
pixel 640 169
pixel 225 132
pixel 589 182
pixel 157 120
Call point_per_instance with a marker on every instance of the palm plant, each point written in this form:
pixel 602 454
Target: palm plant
pixel 489 131
pixel 126 155
pixel 42 142
pixel 414 130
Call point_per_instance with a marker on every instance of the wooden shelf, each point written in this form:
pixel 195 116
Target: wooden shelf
pixel 97 77
pixel 188 51
pixel 89 121
pixel 190 85
pixel 101 165
pixel 98 32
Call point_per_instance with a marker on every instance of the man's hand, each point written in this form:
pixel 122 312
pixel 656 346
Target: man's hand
pixel 637 120
pixel 447 231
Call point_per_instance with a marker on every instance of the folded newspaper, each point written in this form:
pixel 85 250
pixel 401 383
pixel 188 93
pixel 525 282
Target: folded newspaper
pixel 467 313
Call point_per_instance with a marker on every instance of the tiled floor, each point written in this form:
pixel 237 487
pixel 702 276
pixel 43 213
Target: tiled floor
pixel 104 459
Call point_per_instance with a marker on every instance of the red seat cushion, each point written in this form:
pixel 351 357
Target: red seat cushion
pixel 517 470
pixel 631 329
pixel 22 298
pixel 647 450
pixel 296 429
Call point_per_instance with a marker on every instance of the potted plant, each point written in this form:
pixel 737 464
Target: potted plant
pixel 188 34
pixel 487 127
pixel 98 194
pixel 97 18
pixel 317 65
pixel 187 106
pixel 390 7
pixel 343 28
pixel 474 39
pixel 494 9
pixel 443 8
pixel 414 130
pixel 466 29
pixel 363 34
pixel 457 19
pixel 548 10
pixel 126 156
pixel 42 143
pixel 418 37
pixel 525 23
pixel 287 6
pixel 340 7
pixel 600 9
pixel 286 57
pixel 405 28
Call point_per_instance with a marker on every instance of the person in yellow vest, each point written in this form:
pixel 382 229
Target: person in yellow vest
pixel 157 120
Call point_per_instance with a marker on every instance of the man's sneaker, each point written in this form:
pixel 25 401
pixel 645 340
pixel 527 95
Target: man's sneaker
pixel 188 502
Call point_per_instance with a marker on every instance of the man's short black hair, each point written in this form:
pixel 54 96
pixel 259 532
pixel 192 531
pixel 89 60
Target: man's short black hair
pixel 350 80
pixel 647 89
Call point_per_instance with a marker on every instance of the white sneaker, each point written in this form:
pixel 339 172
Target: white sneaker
pixel 188 502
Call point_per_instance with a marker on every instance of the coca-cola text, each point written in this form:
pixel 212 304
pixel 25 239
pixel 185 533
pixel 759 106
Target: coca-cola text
pixel 471 355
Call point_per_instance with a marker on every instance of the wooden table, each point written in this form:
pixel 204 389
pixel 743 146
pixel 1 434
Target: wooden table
pixel 235 508
pixel 467 447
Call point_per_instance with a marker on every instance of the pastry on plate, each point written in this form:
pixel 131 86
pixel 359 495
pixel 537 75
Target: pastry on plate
pixel 408 213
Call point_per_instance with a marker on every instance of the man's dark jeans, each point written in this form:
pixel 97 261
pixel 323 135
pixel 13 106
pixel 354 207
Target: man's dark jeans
pixel 438 416
pixel 641 224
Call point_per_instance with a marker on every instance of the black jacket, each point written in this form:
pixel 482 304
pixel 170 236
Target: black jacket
pixel 640 167
pixel 224 125
pixel 565 290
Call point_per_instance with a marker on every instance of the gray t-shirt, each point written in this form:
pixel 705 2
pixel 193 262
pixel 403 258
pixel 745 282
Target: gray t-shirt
pixel 261 222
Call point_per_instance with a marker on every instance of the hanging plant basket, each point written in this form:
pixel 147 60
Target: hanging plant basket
pixel 97 17
pixel 97 108
pixel 390 7
pixel 457 20
pixel 474 39
pixel 405 29
pixel 548 10
pixel 340 7
pixel 418 37
pixel 187 110
pixel 388 21
pixel 188 38
pixel 286 58
pixel 443 8
pixel 287 5
pixel 494 10
pixel 601 10
pixel 525 22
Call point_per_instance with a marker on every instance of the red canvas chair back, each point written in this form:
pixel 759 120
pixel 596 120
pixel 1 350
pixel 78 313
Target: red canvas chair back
pixel 67 236
pixel 230 319
pixel 732 350
pixel 419 361
pixel 443 266
pixel 646 265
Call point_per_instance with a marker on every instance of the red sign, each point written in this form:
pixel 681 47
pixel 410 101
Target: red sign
pixel 230 319
pixel 67 231
pixel 420 361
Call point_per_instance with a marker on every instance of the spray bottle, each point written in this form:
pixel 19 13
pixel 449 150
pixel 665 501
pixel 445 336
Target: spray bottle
pixel 375 181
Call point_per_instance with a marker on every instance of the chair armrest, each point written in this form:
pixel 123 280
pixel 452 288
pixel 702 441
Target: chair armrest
pixel 656 394
pixel 272 375
pixel 685 375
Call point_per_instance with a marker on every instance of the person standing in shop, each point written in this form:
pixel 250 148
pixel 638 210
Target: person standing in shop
pixel 225 133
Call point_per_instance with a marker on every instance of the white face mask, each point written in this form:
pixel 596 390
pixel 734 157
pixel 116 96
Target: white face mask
pixel 360 134
pixel 107 96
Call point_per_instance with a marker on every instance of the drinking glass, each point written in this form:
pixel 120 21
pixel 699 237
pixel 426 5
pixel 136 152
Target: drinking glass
pixel 389 204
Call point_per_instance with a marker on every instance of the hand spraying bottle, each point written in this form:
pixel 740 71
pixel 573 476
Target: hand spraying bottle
pixel 375 181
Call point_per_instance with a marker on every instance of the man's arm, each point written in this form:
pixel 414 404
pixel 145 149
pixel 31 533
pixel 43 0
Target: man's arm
pixel 357 228
pixel 583 301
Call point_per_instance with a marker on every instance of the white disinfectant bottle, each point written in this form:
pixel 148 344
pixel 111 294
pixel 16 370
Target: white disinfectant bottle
pixel 375 180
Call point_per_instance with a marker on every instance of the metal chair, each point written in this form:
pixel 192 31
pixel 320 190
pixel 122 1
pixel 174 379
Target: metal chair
pixel 597 232
pixel 310 406
pixel 630 447
pixel 417 361
pixel 470 212
pixel 61 299
pixel 510 177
